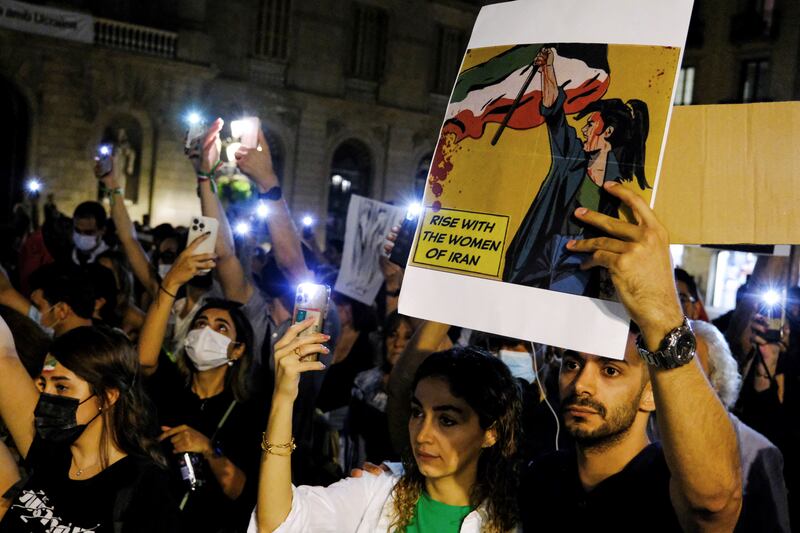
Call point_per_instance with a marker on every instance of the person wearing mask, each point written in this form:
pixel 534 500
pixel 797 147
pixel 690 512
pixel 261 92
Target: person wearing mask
pixel 459 468
pixel 87 438
pixel 210 421
pixel 149 272
pixel 89 225
pixel 63 298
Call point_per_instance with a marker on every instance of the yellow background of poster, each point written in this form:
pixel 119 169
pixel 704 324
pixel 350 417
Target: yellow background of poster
pixel 505 178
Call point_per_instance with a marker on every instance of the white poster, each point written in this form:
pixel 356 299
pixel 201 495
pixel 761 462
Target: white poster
pixel 46 21
pixel 553 99
pixel 368 223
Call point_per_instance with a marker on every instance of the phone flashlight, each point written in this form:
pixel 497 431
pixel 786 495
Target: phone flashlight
pixel 104 150
pixel 308 221
pixel 242 228
pixel 262 211
pixel 34 186
pixel 773 309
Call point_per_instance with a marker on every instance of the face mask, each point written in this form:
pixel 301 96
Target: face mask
pixel 36 315
pixel 84 243
pixel 207 349
pixel 519 363
pixel 55 418
pixel 163 269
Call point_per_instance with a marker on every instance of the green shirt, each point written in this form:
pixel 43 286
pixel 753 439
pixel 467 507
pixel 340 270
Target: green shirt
pixel 588 197
pixel 435 517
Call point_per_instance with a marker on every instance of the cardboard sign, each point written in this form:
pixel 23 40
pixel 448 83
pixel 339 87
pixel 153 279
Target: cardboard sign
pixel 553 99
pixel 46 21
pixel 730 174
pixel 368 223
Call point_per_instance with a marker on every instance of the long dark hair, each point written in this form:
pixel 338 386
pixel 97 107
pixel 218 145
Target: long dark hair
pixel 237 377
pixel 631 123
pixel 486 384
pixel 106 360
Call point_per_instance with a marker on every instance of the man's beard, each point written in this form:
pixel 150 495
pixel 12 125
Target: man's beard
pixel 615 426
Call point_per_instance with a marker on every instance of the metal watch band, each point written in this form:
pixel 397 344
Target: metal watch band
pixel 667 356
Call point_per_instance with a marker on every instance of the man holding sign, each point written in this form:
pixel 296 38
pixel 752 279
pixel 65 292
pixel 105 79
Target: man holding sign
pixel 691 479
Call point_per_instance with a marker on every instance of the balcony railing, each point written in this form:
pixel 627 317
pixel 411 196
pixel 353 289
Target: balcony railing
pixel 133 38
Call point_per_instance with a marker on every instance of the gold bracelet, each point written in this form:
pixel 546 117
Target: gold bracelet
pixel 270 448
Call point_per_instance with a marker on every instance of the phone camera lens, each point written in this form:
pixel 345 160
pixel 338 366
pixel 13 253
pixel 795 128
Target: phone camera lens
pixel 202 226
pixel 194 228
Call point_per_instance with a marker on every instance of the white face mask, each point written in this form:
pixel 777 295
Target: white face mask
pixel 207 349
pixel 84 243
pixel 36 315
pixel 519 363
pixel 163 269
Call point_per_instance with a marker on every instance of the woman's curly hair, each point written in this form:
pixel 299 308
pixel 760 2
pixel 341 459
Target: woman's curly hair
pixel 488 387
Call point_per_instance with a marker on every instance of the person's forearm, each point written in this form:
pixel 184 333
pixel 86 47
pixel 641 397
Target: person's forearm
pixel 549 86
pixel 275 479
pixel 211 207
pixel 698 438
pixel 140 263
pixel 426 340
pixel 286 243
pixel 155 327
pixel 231 479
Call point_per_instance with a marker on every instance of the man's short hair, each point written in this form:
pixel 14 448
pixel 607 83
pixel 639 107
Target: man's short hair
pixel 682 275
pixel 93 210
pixel 723 372
pixel 68 284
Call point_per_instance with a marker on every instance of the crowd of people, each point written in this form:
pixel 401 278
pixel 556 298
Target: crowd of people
pixel 147 385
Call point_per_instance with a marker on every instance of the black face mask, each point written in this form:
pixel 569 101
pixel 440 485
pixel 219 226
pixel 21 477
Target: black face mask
pixel 55 418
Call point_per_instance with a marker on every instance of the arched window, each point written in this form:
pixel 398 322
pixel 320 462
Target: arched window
pixel 14 143
pixel 351 171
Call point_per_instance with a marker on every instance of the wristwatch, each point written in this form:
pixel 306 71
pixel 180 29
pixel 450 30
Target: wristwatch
pixel 677 348
pixel 273 194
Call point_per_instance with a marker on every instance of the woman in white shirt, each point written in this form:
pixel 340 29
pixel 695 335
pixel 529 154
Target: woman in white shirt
pixel 459 474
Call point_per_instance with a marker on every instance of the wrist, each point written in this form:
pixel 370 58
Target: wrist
pixel 654 331
pixel 266 182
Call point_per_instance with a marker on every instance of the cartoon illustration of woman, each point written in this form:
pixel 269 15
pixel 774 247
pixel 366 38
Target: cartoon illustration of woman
pixel 612 149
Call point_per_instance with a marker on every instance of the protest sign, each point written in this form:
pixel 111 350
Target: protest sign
pixel 46 21
pixel 553 99
pixel 368 223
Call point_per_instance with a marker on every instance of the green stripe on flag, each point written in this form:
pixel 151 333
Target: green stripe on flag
pixel 494 70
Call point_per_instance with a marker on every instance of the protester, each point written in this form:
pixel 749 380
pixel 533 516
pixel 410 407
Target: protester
pixel 689 296
pixel 769 401
pixel 368 424
pixel 129 316
pixel 460 467
pixel 87 439
pixel 63 298
pixel 764 499
pixel 691 479
pixel 89 225
pixel 209 420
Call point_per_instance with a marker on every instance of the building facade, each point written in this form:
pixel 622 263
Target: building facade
pixel 353 89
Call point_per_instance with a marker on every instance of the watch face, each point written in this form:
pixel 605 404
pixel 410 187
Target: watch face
pixel 685 347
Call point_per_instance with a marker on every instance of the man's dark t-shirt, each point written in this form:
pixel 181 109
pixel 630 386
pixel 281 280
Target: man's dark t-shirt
pixel 207 508
pixel 49 501
pixel 634 499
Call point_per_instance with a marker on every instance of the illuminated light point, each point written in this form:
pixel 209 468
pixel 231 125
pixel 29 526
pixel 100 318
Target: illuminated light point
pixel 105 150
pixel 413 209
pixel 241 228
pixel 34 185
pixel 336 180
pixel 193 118
pixel 771 297
pixel 308 221
pixel 262 211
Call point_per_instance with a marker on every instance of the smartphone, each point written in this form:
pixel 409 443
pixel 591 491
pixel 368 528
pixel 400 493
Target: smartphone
pixel 104 152
pixel 311 300
pixel 246 130
pixel 774 314
pixel 405 238
pixel 194 133
pixel 198 226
